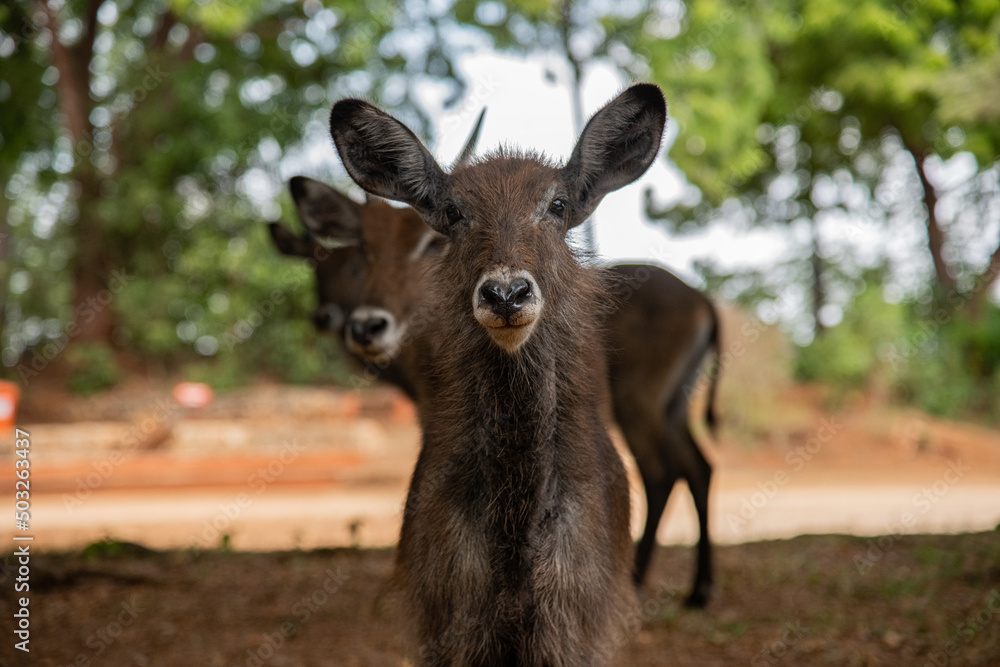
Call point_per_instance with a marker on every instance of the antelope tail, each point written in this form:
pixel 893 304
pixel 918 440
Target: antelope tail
pixel 711 414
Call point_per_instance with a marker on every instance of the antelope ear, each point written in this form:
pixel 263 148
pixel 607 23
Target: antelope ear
pixel 325 212
pixel 288 243
pixel 615 148
pixel 384 157
pixel 470 144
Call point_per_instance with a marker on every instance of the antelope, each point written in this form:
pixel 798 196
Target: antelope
pixel 332 244
pixel 658 338
pixel 515 543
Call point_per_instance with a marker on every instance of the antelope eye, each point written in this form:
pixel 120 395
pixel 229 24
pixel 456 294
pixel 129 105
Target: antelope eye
pixel 452 213
pixel 557 208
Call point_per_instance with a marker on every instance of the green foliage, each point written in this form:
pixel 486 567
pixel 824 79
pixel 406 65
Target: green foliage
pixel 190 108
pixel 933 379
pixel 848 355
pixel 91 367
pixel 938 359
pixel 808 112
pixel 953 369
pixel 731 66
pixel 719 80
pixel 111 547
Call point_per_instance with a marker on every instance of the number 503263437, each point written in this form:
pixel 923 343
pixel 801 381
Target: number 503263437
pixel 22 486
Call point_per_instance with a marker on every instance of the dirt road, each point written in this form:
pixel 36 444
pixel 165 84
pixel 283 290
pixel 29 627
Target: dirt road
pixel 328 479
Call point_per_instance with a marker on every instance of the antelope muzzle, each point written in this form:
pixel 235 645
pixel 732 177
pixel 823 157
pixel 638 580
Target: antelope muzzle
pixel 508 304
pixel 374 333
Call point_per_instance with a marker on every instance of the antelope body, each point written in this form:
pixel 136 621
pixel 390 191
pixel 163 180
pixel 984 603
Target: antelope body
pixel 515 543
pixel 658 336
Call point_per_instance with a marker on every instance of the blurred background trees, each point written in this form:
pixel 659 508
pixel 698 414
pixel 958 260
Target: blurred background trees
pixel 140 144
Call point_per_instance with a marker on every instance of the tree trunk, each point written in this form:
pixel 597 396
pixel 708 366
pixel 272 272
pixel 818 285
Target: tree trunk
pixel 93 307
pixel 935 237
pixel 818 288
pixel 93 316
pixel 576 93
pixel 984 281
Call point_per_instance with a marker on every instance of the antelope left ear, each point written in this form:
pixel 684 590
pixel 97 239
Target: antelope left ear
pixel 288 243
pixel 615 148
pixel 384 157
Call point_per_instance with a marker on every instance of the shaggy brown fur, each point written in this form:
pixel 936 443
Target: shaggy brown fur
pixel 517 480
pixel 515 542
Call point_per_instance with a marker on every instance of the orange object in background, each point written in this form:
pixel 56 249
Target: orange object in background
pixel 10 394
pixel 193 394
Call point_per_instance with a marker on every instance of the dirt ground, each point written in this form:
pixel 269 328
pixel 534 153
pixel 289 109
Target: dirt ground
pixel 819 600
pixel 277 583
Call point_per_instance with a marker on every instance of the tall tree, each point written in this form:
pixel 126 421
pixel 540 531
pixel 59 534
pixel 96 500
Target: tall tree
pixel 799 109
pixel 141 140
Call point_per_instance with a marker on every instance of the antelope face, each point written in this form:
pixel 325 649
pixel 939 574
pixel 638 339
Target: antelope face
pixel 506 219
pixel 399 247
pixel 339 279
pixel 331 248
pixel 506 216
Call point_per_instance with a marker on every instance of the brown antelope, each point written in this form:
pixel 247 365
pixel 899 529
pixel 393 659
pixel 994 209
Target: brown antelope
pixel 332 244
pixel 515 544
pixel 659 336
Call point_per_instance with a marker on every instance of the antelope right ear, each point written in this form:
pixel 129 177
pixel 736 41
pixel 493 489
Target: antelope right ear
pixel 615 148
pixel 325 212
pixel 384 157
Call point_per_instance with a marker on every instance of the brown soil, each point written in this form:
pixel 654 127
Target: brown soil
pixel 837 600
pixel 923 599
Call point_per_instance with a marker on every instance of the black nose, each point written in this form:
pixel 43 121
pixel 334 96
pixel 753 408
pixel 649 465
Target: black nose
pixel 505 299
pixel 365 331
